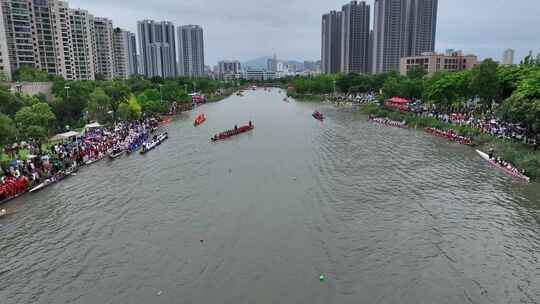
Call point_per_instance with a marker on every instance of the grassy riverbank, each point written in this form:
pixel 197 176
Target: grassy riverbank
pixel 216 98
pixel 521 155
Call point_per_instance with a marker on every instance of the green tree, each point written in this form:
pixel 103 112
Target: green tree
pixel 117 91
pixel 30 74
pixel 150 101
pixel 448 90
pixel 416 73
pixel 35 121
pixel 8 131
pixel 71 101
pixel 9 103
pixel 99 105
pixel 129 110
pixel 524 104
pixel 485 82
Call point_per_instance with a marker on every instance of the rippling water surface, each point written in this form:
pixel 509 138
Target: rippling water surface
pixel 387 215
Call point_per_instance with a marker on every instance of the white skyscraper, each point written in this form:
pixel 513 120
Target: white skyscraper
pixel 157 46
pixel 190 50
pixel 508 57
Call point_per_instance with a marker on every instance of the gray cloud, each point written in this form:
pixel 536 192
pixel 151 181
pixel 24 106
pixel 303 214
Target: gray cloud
pixel 244 29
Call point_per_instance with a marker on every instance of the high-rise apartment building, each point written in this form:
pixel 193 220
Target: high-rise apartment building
pixel 190 50
pixel 65 40
pixel 402 28
pixel 355 37
pixel 157 46
pixel 420 27
pixel 18 23
pixel 37 35
pixel 388 32
pixel 331 42
pixel 83 42
pixel 133 61
pixel 120 52
pixel 103 50
pixel 48 35
pixel 5 66
pixel 508 57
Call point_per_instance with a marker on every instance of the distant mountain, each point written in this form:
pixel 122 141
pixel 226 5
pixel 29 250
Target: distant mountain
pixel 257 63
pixel 261 62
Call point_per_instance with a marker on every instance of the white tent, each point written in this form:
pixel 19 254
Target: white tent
pixel 92 126
pixel 66 135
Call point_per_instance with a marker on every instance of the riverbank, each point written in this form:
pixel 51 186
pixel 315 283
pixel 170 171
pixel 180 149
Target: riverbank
pixel 521 155
pixel 217 98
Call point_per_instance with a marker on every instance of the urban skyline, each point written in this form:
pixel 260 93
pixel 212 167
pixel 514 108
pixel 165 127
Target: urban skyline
pixel 471 30
pixel 99 57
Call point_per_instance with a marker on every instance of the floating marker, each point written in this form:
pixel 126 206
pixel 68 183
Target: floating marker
pixel 322 278
pixel 159 293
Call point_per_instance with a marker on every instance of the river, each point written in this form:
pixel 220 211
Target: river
pixel 386 215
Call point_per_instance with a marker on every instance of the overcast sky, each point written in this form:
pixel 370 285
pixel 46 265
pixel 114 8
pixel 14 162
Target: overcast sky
pixel 247 29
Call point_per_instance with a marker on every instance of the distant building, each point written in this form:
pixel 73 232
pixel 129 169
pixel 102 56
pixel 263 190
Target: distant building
pixel 5 66
pixel 157 47
pixel 432 62
pixel 331 42
pixel 355 37
pixel 120 51
pixel 83 43
pixel 508 57
pixel 103 51
pixel 228 70
pixel 191 50
pixel 402 28
pixel 133 61
pixel 312 66
pixel 271 64
pixel 260 75
pixel 33 35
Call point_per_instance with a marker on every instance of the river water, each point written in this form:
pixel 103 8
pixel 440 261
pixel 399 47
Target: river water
pixel 386 215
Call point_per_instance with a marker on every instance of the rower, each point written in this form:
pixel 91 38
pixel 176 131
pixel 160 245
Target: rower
pixel 250 123
pixel 491 153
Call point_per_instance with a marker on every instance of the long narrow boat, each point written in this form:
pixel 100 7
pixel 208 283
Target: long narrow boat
pixel 199 120
pixel 318 115
pixel 54 180
pixel 230 133
pixel 113 155
pixel 8 199
pixel 133 149
pixel 94 160
pixel 388 123
pixel 146 147
pixel 510 171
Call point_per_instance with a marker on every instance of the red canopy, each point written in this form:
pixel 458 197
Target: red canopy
pixel 399 100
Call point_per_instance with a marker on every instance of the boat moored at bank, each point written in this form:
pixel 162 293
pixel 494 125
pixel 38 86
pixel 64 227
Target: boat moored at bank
pixel 154 143
pixel 504 166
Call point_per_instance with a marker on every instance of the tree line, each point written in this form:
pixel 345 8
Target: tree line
pixel 76 103
pixel 512 93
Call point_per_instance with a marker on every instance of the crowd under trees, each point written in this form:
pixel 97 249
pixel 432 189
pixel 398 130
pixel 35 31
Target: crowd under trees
pixel 511 93
pixel 76 103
